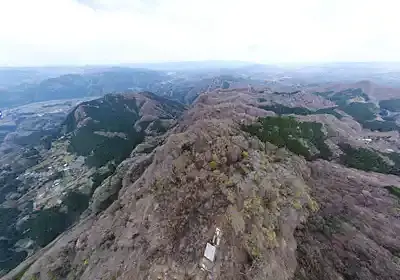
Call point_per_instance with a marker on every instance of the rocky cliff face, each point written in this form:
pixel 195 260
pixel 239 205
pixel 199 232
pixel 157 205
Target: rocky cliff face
pixel 281 217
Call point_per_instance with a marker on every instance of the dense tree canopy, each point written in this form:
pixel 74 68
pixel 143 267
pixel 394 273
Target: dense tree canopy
pixel 298 137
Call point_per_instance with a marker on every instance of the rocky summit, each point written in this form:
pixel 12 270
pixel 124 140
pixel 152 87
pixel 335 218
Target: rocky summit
pixel 241 185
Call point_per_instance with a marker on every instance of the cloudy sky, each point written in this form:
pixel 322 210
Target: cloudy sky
pixel 49 32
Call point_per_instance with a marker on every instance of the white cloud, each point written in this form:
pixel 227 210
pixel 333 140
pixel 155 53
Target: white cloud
pixel 114 31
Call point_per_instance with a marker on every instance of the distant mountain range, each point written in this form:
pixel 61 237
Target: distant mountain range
pixel 183 86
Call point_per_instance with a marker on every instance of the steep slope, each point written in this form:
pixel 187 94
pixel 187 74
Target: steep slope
pixel 355 235
pixel 66 167
pixel 109 128
pixel 207 174
pixel 281 216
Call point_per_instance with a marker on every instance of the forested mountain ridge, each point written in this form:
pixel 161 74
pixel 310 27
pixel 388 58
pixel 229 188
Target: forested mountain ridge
pixel 280 186
pixel 302 179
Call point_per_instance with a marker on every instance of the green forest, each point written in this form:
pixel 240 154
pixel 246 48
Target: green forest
pixel 341 98
pixel 42 226
pixel 363 112
pixel 391 105
pixel 284 110
pixel 296 136
pixel 120 117
pixel 368 160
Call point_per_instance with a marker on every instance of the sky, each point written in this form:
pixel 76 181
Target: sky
pixel 78 32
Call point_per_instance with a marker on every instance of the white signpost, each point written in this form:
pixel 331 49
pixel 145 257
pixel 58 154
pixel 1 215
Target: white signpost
pixel 207 261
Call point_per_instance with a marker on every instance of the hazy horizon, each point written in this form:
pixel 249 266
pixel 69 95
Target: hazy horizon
pixel 196 62
pixel 115 32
